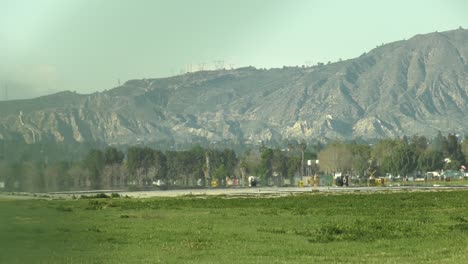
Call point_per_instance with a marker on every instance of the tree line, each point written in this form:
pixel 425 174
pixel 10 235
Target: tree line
pixel 402 156
pixel 142 166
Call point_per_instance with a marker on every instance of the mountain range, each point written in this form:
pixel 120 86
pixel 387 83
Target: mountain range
pixel 415 86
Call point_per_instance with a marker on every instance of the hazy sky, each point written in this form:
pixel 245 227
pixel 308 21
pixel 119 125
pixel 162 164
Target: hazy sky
pixel 87 45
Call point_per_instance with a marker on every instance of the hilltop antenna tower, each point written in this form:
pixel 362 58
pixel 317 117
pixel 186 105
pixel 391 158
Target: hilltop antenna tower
pixel 189 68
pixel 6 92
pixel 218 64
pixel 201 66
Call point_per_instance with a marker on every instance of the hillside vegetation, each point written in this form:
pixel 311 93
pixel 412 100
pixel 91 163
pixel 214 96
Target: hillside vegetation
pixel 414 86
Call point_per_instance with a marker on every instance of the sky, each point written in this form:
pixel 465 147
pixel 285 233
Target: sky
pixel 91 45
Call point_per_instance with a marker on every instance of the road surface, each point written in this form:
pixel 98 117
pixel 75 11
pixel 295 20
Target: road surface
pixel 235 191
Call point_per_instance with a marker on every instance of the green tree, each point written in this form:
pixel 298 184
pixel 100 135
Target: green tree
pixel 5 174
pixel 336 157
pixel 139 162
pixel 40 180
pixel 430 160
pixel 279 166
pixel 160 165
pixel 396 157
pixel 382 155
pixel 113 156
pixel 133 160
pixel 173 166
pixel 440 143
pixel 294 165
pixel 194 162
pixel 94 162
pixel 361 154
pixel 113 159
pixel 266 168
pixel 28 176
pixel 302 147
pixel 64 182
pixel 454 149
pixel 230 161
pixel 464 150
pixel 249 164
pixel 419 143
pixel 219 173
pixel 147 161
pixel 280 162
pixel 403 159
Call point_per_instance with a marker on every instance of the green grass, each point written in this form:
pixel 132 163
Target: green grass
pixel 405 227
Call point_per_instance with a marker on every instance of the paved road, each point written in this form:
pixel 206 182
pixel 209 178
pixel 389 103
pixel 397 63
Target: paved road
pixel 233 192
pixel 282 191
pixel 268 191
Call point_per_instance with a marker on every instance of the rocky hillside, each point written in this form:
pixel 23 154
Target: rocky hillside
pixel 415 86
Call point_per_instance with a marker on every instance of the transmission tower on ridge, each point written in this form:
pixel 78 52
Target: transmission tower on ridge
pixel 201 66
pixel 5 88
pixel 189 68
pixel 218 64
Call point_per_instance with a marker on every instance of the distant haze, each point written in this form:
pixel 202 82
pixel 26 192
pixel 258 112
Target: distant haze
pixel 87 45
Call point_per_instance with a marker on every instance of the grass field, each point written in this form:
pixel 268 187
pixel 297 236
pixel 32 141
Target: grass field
pixel 403 227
